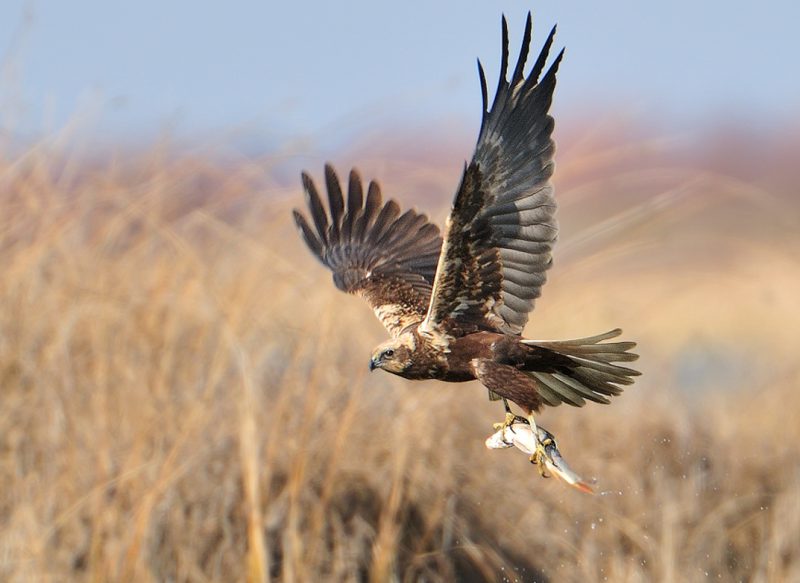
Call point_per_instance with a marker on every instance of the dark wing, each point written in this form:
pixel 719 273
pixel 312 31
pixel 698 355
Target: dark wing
pixel 502 227
pixel 373 250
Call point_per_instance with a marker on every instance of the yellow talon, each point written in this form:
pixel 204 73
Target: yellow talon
pixel 510 418
pixel 538 457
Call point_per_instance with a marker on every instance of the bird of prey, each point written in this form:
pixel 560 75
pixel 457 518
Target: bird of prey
pixel 455 307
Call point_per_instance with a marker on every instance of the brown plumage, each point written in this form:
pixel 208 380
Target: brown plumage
pixel 456 308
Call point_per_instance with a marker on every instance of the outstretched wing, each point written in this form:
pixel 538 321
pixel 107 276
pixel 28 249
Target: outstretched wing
pixel 502 226
pixel 373 250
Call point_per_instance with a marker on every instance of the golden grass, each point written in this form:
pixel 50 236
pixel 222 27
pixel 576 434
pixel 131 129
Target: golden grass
pixel 186 398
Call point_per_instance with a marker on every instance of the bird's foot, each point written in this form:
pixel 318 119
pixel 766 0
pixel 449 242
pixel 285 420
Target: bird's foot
pixel 511 418
pixel 540 455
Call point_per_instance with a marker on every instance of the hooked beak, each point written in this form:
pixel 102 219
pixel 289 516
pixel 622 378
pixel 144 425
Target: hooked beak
pixel 373 365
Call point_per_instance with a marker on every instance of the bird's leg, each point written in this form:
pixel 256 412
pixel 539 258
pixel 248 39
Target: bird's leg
pixel 540 454
pixel 511 417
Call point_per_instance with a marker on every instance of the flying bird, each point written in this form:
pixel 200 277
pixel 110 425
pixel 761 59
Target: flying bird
pixel 455 306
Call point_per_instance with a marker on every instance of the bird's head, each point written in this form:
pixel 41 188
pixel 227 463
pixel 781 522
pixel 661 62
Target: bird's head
pixel 394 355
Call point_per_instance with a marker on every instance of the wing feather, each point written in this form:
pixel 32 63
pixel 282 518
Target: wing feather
pixel 502 228
pixel 335 201
pixel 318 213
pixel 372 249
pixel 355 202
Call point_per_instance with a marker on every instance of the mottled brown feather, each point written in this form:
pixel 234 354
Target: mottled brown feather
pixel 386 257
pixel 508 382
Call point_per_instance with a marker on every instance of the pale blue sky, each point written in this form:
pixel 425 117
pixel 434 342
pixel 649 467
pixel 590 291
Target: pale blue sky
pixel 291 69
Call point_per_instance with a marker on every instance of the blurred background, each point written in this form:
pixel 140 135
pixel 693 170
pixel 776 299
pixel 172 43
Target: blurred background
pixel 185 395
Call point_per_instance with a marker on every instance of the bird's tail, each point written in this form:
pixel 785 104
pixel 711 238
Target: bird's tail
pixel 590 373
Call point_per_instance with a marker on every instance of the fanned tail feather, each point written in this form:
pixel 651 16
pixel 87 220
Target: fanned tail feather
pixel 592 373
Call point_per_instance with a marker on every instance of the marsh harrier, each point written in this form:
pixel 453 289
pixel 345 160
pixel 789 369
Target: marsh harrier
pixel 456 307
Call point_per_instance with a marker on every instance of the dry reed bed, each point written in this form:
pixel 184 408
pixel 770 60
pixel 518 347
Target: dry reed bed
pixel 185 398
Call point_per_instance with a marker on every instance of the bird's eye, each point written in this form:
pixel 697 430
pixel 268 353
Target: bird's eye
pixel 389 353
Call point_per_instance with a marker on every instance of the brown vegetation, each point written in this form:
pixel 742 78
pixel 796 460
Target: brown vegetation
pixel 185 397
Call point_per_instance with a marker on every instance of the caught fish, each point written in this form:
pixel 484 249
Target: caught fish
pixel 520 435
